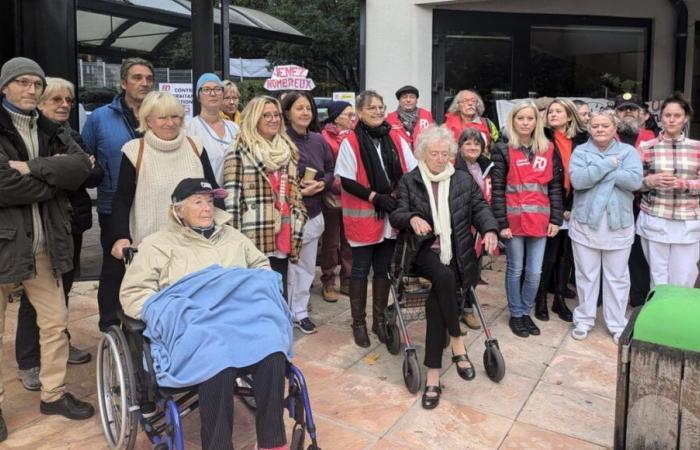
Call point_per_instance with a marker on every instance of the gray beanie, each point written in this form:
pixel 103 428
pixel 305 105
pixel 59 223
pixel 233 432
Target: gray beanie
pixel 17 67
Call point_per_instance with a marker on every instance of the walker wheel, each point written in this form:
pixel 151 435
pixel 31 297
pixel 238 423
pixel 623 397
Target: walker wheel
pixel 393 338
pixel 411 372
pixel 297 442
pixel 494 364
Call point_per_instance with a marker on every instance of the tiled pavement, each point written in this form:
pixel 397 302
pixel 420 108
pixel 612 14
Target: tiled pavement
pixel 557 393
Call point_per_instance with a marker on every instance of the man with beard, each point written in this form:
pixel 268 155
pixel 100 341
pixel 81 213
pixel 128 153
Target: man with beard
pixel 630 131
pixel 408 120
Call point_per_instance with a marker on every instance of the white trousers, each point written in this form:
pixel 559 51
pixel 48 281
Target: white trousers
pixel 616 286
pixel 301 275
pixel 672 263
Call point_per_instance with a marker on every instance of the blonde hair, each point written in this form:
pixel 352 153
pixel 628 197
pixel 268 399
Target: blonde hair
pixel 539 141
pixel 574 124
pixel 607 113
pixel 161 104
pixel 250 117
pixel 454 106
pixel 54 85
pixel 431 135
pixel 230 85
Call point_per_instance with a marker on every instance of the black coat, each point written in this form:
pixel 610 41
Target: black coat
pixel 80 201
pixel 499 174
pixel 47 184
pixel 578 139
pixel 467 208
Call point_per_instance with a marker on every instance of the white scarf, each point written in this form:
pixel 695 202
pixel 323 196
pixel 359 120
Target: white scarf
pixel 441 215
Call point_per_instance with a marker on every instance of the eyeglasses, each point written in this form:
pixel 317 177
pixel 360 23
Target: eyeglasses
pixel 26 84
pixel 269 117
pixel 231 99
pixel 627 108
pixel 374 109
pixel 59 100
pixel 212 91
pixel 468 101
pixel 350 115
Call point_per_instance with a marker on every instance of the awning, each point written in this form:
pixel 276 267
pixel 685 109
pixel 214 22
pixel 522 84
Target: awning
pixel 132 27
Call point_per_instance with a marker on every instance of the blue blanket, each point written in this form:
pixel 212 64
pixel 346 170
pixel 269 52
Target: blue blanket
pixel 214 319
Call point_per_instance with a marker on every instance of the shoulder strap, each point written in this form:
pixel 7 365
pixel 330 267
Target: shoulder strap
pixel 139 157
pixel 194 147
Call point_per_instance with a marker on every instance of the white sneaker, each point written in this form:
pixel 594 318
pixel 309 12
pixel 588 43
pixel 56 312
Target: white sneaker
pixel 579 334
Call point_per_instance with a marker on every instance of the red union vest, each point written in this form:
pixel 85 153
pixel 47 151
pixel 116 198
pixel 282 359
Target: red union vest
pixel 359 220
pixel 527 196
pixel 425 118
pixel 454 123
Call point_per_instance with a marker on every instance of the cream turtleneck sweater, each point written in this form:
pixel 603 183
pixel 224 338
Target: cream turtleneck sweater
pixel 26 127
pixel 163 165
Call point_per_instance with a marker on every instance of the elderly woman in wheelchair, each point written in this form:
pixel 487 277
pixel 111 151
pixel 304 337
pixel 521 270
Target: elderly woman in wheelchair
pixel 211 316
pixel 437 207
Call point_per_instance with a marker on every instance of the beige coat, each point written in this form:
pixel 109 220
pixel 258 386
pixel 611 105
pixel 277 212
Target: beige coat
pixel 166 256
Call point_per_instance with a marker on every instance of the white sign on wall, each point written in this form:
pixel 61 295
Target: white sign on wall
pixel 344 97
pixel 183 92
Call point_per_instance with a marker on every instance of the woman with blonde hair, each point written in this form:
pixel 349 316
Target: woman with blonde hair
pixel 527 202
pixel 565 131
pixel 260 175
pixel 232 98
pixel 151 168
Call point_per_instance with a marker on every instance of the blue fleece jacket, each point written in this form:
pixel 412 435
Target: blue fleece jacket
pixel 600 185
pixel 104 133
pixel 214 319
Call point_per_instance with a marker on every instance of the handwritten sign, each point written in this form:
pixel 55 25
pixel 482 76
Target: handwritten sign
pixel 289 77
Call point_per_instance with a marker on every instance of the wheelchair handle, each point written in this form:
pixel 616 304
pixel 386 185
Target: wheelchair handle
pixel 129 253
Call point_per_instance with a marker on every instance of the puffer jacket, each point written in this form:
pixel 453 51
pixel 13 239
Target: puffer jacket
pixel 50 178
pixel 166 256
pixel 467 208
pixel 105 131
pixel 579 138
pixel 80 201
pixel 499 175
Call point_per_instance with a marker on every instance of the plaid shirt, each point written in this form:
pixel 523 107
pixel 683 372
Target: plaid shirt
pixel 683 156
pixel 251 200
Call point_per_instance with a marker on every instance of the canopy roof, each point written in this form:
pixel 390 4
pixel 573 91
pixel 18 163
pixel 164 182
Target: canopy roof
pixel 117 27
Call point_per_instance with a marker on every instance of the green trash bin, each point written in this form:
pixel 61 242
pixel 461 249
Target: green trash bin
pixel 658 375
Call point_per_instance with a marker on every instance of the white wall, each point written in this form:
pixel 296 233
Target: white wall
pixel 399 37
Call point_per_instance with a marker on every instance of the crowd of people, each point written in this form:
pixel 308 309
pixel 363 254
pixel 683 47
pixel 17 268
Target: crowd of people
pixel 573 195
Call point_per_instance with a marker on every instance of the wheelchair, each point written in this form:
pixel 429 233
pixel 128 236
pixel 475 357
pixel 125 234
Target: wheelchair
pixel 409 294
pixel 128 395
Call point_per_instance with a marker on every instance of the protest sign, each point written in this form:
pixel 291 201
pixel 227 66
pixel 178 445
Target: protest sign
pixel 289 77
pixel 183 92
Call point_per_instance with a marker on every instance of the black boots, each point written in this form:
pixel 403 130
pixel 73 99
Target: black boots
pixel 358 303
pixel 380 298
pixel 541 312
pixel 559 304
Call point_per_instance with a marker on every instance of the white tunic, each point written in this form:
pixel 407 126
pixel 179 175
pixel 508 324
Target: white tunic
pixel 346 167
pixel 215 146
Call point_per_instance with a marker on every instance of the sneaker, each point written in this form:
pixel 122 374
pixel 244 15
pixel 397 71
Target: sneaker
pixel 306 326
pixel 77 356
pixel 470 319
pixel 616 338
pixel 69 407
pixel 30 378
pixel 329 293
pixel 3 428
pixel 530 325
pixel 517 326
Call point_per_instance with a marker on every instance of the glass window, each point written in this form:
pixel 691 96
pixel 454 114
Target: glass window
pixel 479 61
pixel 587 61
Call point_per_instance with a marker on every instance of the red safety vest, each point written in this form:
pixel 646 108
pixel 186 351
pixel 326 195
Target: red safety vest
pixel 359 220
pixel 527 195
pixel 454 123
pixel 425 118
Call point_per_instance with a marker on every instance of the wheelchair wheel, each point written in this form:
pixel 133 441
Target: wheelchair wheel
pixel 494 364
pixel 393 338
pixel 411 372
pixel 116 390
pixel 246 382
pixel 173 426
pixel 298 434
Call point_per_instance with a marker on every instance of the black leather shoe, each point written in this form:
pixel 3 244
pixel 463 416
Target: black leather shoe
pixel 559 307
pixel 465 373
pixel 530 325
pixel 569 293
pixel 3 428
pixel 518 327
pixel 431 402
pixel 541 311
pixel 68 406
pixel 359 332
pixel 379 328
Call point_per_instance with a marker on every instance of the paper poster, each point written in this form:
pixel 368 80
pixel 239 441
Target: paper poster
pixel 344 97
pixel 183 92
pixel 289 77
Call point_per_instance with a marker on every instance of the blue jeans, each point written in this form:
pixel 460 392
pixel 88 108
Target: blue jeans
pixel 519 248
